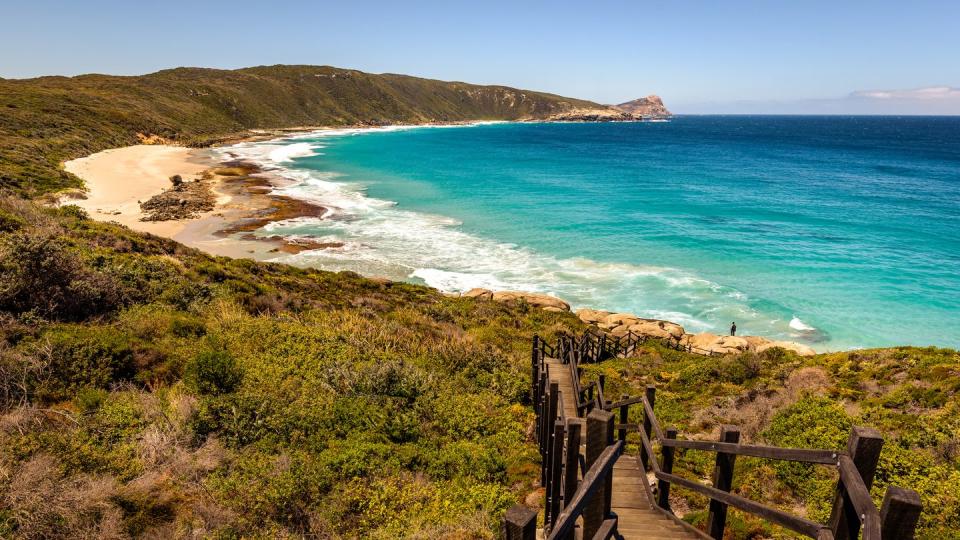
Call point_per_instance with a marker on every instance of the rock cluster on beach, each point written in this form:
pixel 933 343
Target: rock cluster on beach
pixel 185 200
pixel 621 324
pixel 544 301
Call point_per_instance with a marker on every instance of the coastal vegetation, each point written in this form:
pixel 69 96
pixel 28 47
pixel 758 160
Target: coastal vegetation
pixel 778 398
pixel 49 120
pixel 150 389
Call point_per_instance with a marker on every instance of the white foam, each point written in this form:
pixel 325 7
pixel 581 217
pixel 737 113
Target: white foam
pixel 800 326
pixel 288 152
pixel 458 281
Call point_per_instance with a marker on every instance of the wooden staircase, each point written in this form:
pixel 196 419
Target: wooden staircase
pixel 595 490
pixel 637 516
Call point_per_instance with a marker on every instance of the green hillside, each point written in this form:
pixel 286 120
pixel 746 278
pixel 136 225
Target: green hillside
pixel 147 389
pixel 48 120
pixel 150 390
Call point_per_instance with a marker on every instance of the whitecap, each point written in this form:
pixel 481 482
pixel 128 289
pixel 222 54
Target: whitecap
pixel 800 326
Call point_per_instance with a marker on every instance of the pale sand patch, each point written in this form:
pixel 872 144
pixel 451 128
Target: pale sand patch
pixel 119 179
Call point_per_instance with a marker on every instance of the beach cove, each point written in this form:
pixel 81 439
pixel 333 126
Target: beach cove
pixel 395 205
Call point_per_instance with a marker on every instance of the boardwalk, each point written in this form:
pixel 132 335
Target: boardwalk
pixel 595 490
pixel 635 513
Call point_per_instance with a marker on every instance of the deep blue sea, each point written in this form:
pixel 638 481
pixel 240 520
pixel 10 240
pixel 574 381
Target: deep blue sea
pixel 839 232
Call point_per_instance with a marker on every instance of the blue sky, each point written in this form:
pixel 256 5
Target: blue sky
pixel 724 56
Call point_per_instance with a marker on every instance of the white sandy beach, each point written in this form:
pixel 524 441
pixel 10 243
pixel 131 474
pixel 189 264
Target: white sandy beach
pixel 118 180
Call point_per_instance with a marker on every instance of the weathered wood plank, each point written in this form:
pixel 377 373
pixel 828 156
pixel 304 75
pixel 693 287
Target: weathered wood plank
pixel 589 486
pixel 803 455
pixel 794 523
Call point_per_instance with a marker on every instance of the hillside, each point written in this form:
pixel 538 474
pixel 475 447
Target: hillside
pixel 48 120
pixel 147 389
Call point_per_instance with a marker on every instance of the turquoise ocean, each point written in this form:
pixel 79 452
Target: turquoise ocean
pixel 839 232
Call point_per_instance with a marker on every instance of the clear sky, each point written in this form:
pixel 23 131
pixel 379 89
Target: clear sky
pixel 723 56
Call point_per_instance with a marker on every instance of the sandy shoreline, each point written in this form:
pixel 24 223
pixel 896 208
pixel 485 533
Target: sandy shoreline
pixel 118 180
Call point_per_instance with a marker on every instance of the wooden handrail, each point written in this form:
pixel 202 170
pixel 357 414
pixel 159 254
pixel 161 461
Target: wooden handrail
pixel 794 523
pixel 860 497
pixel 648 410
pixel 564 524
pixel 607 530
pixel 802 455
pixel 853 485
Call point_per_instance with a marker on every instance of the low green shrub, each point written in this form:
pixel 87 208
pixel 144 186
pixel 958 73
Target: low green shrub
pixel 82 357
pixel 212 373
pixel 39 274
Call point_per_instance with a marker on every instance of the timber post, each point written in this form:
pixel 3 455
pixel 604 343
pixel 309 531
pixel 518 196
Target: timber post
pixel 556 469
pixel 599 437
pixel 624 415
pixel 663 487
pixel 573 461
pixel 546 437
pixel 535 368
pixel 899 513
pixel 864 447
pixel 651 395
pixel 722 480
pixel 520 523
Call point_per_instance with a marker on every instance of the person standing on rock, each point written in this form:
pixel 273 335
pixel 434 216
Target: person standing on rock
pixel 733 328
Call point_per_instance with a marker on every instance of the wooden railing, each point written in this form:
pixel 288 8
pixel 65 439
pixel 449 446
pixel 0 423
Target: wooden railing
pixel 568 497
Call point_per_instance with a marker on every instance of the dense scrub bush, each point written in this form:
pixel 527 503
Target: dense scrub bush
pixel 10 222
pixel 77 356
pixel 39 274
pixel 212 373
pixel 812 422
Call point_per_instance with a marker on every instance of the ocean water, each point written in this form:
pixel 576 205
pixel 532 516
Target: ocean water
pixel 839 232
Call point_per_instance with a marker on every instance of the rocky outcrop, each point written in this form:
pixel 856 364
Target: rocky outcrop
pixel 606 114
pixel 620 324
pixel 543 301
pixel 185 200
pixel 647 108
pixel 712 343
pixel 707 342
pixel 483 294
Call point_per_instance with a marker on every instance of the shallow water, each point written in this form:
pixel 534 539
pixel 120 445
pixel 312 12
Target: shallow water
pixel 836 231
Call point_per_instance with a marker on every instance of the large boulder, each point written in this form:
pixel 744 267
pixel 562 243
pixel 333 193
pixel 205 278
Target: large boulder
pixel 591 316
pixel 613 322
pixel 543 301
pixel 707 342
pixel 712 343
pixel 657 329
pixel 483 294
